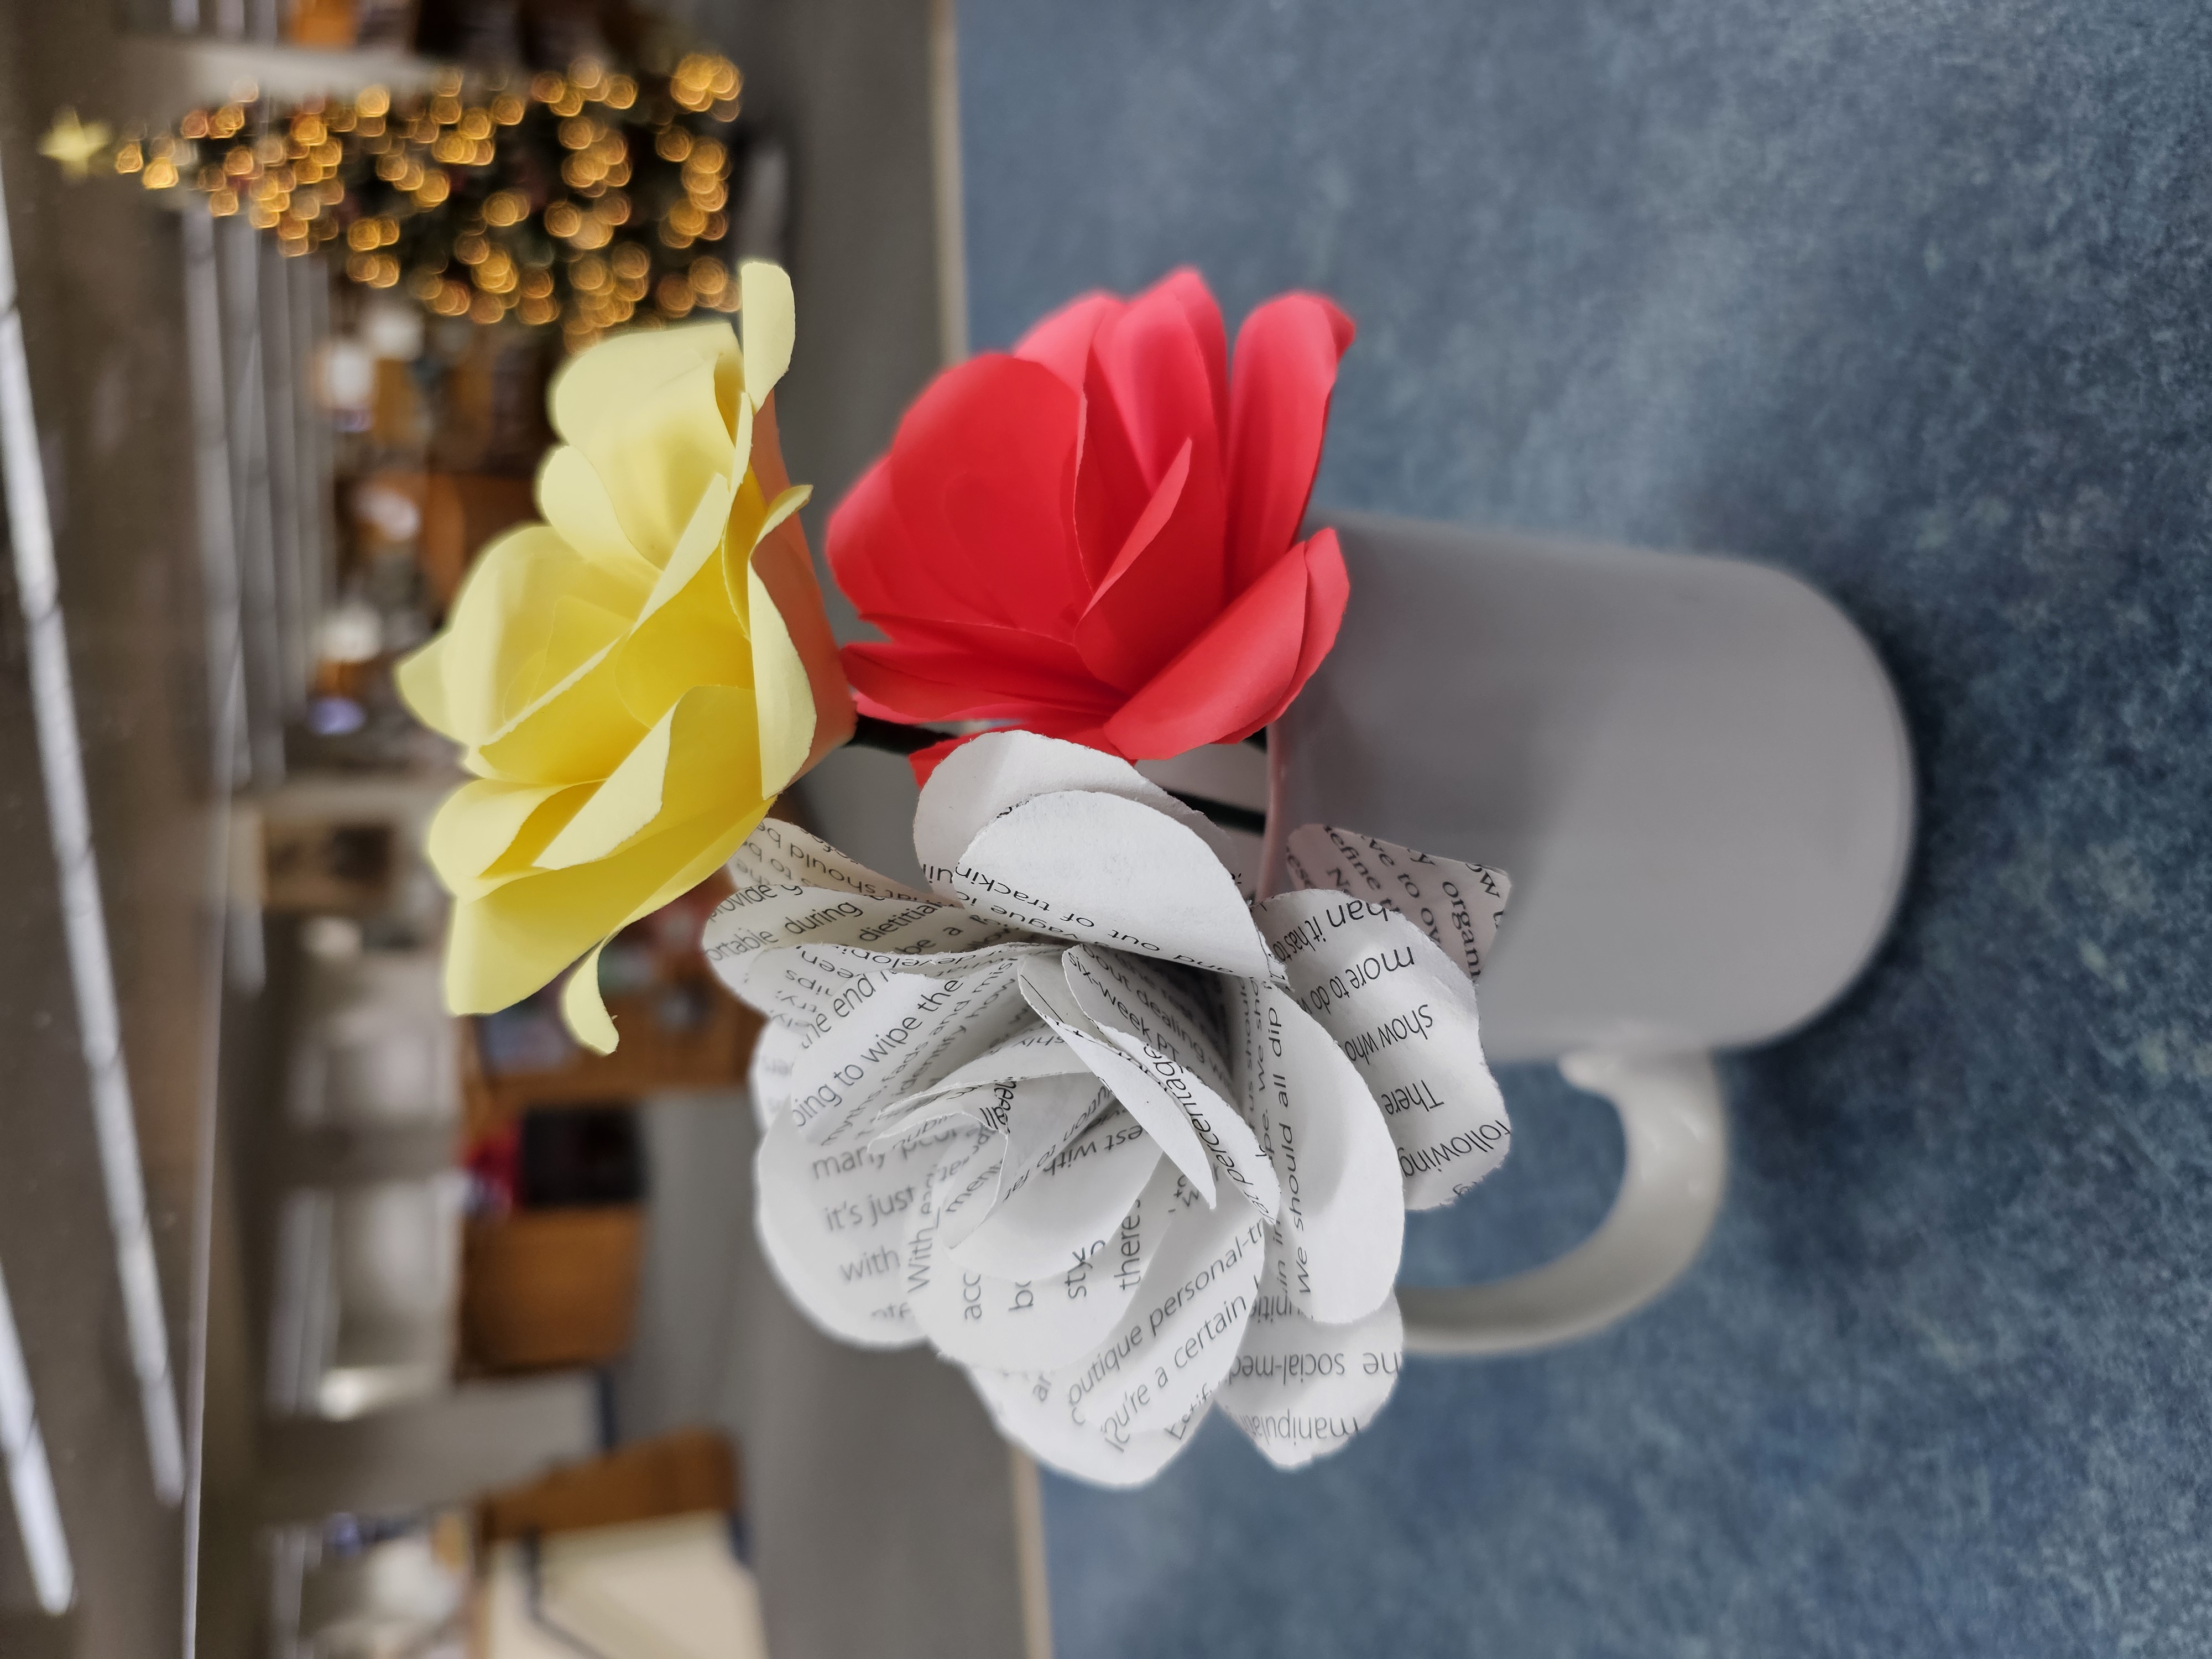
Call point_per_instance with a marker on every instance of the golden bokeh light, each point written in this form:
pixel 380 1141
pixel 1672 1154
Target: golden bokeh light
pixel 399 187
pixel 708 275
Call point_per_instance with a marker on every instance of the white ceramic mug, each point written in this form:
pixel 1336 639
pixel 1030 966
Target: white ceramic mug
pixel 1697 774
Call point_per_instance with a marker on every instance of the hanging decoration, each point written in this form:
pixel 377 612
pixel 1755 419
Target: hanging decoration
pixel 588 199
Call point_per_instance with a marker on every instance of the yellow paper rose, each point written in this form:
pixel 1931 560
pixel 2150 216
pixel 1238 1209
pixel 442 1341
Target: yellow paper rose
pixel 634 679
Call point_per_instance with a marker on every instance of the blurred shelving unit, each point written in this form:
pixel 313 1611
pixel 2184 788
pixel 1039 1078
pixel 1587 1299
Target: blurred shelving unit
pixel 414 1263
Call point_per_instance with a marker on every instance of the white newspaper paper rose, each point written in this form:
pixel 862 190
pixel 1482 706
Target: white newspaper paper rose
pixel 1122 1143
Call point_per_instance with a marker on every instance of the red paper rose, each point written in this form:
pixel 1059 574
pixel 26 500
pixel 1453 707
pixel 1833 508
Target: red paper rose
pixel 1094 537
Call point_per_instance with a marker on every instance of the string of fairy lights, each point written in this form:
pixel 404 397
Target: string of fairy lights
pixel 588 199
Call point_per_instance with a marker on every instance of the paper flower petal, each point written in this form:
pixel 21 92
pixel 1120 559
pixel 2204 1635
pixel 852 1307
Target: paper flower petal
pixel 1119 874
pixel 1337 1236
pixel 1286 357
pixel 986 658
pixel 765 316
pixel 576 505
pixel 1412 1032
pixel 1000 771
pixel 1166 585
pixel 1225 681
pixel 1327 589
pixel 1061 1213
pixel 983 477
pixel 857 1204
pixel 577 732
pixel 487 832
pixel 582 1009
pixel 870 554
pixel 605 385
pixel 1162 361
pixel 657 463
pixel 1300 1388
pixel 513 941
pixel 1061 340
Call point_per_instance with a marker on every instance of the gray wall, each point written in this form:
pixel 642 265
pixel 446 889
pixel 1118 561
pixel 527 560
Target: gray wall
pixel 1912 300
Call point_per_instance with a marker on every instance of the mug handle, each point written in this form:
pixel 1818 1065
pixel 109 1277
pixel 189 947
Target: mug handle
pixel 1676 1130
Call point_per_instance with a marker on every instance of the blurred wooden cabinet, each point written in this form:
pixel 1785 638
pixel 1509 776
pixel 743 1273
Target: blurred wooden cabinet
pixel 683 1472
pixel 552 1287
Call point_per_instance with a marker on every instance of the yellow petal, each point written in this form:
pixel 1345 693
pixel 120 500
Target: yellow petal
pixel 477 823
pixel 786 705
pixel 689 635
pixel 580 631
pixel 419 677
pixel 700 537
pixel 484 826
pixel 741 450
pixel 753 519
pixel 513 941
pixel 495 661
pixel 655 446
pixel 599 384
pixel 583 1011
pixel 575 503
pixel 769 323
pixel 702 758
pixel 619 808
pixel 577 732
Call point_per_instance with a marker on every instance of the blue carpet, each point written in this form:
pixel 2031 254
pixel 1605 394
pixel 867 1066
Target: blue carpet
pixel 1917 300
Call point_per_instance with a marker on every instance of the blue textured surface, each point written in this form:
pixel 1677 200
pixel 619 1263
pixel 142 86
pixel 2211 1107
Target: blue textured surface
pixel 1917 300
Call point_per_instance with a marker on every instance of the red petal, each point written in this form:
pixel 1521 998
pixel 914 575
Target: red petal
pixel 1110 491
pixel 1286 357
pixel 983 475
pixel 1166 585
pixel 1227 678
pixel 1002 658
pixel 922 683
pixel 1328 588
pixel 872 557
pixel 1162 361
pixel 1188 290
pixel 1061 341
